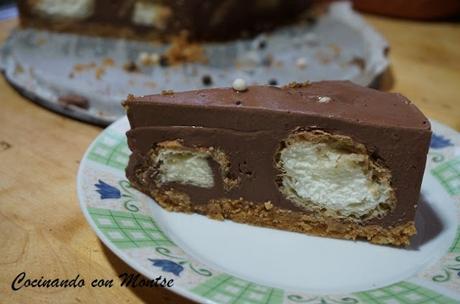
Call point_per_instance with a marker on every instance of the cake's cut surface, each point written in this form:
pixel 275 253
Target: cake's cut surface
pixel 328 158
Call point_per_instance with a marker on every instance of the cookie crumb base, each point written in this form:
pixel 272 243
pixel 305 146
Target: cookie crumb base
pixel 257 214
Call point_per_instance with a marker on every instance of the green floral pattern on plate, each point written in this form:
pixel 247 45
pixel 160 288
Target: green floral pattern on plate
pixel 128 230
pixel 111 150
pixel 323 300
pixel 403 293
pixel 228 289
pixel 448 174
pixel 456 244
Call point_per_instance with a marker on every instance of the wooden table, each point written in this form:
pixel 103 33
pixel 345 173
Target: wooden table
pixel 42 229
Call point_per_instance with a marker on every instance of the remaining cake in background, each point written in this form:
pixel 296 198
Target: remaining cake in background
pixel 328 158
pixel 160 19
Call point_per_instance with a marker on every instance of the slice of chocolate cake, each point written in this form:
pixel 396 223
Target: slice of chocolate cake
pixel 160 19
pixel 328 158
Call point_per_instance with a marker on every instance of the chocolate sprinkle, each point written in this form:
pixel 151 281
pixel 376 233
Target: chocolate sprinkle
pixel 207 80
pixel 164 62
pixel 273 82
pixel 262 44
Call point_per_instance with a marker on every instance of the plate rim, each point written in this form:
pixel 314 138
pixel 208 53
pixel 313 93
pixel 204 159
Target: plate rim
pixel 183 291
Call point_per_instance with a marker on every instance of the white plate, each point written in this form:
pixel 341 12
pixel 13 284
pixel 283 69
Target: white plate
pixel 225 262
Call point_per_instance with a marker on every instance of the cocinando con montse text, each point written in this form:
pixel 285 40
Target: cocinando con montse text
pixel 130 280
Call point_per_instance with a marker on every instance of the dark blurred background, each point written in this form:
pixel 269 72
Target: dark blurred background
pixel 411 9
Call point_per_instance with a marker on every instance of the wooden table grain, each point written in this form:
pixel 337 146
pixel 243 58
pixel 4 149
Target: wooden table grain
pixel 42 230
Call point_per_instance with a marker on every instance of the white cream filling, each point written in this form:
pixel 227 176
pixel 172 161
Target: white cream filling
pixel 184 167
pixel 74 9
pixel 315 173
pixel 150 14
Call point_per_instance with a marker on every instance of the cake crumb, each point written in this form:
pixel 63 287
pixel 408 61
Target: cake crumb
pixel 74 100
pixel 182 50
pixel 130 67
pixel 296 85
pixel 100 71
pixel 336 50
pixel 80 67
pixel 323 57
pixel 359 62
pixel 108 62
pixel 268 205
pixel 167 92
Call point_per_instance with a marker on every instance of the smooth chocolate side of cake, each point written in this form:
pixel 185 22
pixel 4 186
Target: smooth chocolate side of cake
pixel 160 19
pixel 328 158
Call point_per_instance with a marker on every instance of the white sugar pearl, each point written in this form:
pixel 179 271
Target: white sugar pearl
pixel 324 99
pixel 239 85
pixel 154 58
pixel 144 58
pixel 301 62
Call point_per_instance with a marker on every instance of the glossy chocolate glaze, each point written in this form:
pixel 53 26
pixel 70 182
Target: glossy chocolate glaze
pixel 250 127
pixel 349 102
